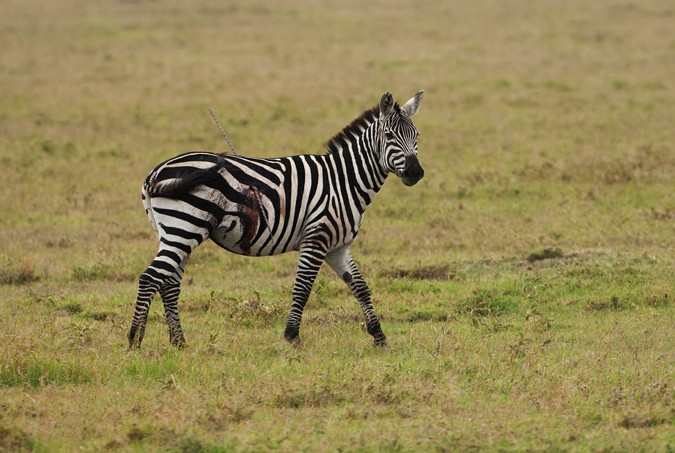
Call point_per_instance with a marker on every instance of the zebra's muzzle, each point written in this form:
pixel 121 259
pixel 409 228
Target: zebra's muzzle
pixel 413 171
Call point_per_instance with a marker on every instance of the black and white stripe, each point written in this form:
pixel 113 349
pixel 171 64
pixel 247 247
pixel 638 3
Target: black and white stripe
pixel 310 203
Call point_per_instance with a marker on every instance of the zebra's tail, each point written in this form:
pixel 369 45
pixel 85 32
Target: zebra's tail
pixel 147 204
pixel 175 187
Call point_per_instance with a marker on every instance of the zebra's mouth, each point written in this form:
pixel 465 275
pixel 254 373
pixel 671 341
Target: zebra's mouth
pixel 410 181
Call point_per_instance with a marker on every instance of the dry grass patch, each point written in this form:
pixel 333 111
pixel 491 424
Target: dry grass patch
pixel 546 133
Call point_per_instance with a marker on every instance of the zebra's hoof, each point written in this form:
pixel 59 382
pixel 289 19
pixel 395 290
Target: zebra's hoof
pixel 292 336
pixel 134 339
pixel 178 341
pixel 380 341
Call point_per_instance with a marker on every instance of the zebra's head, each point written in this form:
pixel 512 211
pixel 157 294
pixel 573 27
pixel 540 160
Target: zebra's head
pixel 398 138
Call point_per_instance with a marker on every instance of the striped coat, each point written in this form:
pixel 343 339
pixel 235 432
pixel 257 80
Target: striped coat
pixel 313 204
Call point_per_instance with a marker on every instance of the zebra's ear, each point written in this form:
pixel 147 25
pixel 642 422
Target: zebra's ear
pixel 386 104
pixel 413 104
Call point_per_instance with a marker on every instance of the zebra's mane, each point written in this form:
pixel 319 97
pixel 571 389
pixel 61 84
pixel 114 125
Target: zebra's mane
pixel 355 128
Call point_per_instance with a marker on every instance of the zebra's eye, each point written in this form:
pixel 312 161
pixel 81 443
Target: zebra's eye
pixel 390 135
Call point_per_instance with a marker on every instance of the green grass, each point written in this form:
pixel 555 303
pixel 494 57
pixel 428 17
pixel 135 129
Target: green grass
pixel 525 285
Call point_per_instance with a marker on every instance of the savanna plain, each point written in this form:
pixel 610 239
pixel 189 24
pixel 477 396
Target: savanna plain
pixel 525 284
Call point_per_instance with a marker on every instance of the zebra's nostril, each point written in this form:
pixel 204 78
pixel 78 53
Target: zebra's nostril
pixel 415 172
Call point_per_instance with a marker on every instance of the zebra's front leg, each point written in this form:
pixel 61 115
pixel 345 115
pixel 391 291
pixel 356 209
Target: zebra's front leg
pixel 311 258
pixel 343 264
pixel 170 292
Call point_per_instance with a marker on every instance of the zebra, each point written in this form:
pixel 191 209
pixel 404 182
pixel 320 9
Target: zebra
pixel 311 203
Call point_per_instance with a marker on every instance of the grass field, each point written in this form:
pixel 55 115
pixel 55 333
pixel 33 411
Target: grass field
pixel 526 284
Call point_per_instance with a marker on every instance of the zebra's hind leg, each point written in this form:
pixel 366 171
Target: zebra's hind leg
pixel 147 288
pixel 164 276
pixel 170 292
pixel 343 264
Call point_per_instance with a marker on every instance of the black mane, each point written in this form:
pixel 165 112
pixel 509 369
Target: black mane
pixel 355 128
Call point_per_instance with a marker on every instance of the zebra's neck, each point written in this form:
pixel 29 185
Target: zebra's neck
pixel 354 152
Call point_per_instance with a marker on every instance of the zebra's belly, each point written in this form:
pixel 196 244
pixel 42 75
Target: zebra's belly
pixel 241 236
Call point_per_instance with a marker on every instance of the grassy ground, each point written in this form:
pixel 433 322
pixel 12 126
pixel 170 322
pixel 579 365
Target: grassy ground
pixel 526 284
